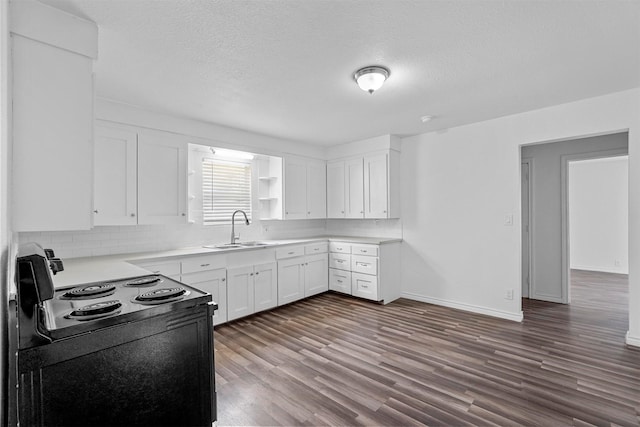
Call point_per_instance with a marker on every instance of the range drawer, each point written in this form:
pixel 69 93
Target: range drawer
pixel 289 252
pixel 316 248
pixel 340 281
pixel 340 261
pixel 202 263
pixel 364 286
pixel 369 250
pixel 340 247
pixel 364 264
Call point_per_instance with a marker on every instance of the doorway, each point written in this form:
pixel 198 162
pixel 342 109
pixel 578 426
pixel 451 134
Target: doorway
pixel 545 209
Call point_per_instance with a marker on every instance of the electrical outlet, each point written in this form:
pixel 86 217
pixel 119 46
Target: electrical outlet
pixel 508 220
pixel 508 294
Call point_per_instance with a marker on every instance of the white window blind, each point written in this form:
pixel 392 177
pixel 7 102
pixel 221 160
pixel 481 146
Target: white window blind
pixel 226 187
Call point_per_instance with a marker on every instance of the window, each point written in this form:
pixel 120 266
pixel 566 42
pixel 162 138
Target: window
pixel 226 187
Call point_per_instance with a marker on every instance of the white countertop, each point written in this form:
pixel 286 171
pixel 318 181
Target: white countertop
pixel 110 267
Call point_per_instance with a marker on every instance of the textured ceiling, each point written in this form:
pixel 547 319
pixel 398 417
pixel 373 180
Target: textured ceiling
pixel 284 67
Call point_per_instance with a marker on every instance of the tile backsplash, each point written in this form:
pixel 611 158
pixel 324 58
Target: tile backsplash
pixel 108 240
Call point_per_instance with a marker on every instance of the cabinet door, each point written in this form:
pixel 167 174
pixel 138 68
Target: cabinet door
pixel 316 274
pixel 162 179
pixel 335 190
pixel 215 283
pixel 115 183
pixel 354 188
pixel 240 292
pixel 295 189
pixel 290 280
pixel 266 286
pixel 376 181
pixel 316 190
pixel 52 120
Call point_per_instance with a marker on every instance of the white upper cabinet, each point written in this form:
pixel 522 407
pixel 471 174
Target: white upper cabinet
pixel 335 190
pixel 316 189
pixel 162 179
pixel 52 118
pixel 295 188
pixel 305 188
pixel 354 189
pixel 376 186
pixel 115 179
pixel 364 187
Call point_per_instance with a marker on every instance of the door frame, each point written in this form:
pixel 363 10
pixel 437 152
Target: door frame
pixel 564 191
pixel 530 162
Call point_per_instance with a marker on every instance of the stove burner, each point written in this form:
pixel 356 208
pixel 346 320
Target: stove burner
pixel 143 282
pixel 161 296
pixel 90 292
pixel 96 311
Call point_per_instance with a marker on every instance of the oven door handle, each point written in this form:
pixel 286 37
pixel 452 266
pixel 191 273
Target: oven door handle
pixel 213 306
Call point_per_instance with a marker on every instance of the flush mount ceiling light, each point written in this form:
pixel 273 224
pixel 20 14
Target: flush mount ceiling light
pixel 371 78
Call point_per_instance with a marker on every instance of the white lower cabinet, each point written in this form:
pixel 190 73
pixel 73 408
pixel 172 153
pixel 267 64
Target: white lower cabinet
pixel 316 274
pixel 265 286
pixel 290 280
pixel 302 276
pixel 215 283
pixel 368 271
pixel 251 289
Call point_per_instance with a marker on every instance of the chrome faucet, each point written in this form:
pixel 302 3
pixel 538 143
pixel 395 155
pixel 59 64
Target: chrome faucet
pixel 234 238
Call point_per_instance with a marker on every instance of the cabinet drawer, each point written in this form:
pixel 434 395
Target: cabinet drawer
pixel 364 286
pixel 289 252
pixel 171 269
pixel 369 250
pixel 205 276
pixel 340 247
pixel 340 281
pixel 316 248
pixel 364 264
pixel 202 263
pixel 340 261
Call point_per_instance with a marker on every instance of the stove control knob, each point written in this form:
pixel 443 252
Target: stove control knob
pixel 56 265
pixel 49 253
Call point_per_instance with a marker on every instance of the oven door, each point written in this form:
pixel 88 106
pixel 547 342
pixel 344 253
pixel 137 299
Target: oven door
pixel 154 372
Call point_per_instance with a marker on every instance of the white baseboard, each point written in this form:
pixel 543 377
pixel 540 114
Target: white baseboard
pixel 632 341
pixel 516 317
pixel 600 269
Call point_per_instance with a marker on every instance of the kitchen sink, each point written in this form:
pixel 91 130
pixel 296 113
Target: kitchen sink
pixel 237 245
pixel 251 244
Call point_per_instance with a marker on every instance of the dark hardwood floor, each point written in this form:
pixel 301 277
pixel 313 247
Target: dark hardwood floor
pixel 335 360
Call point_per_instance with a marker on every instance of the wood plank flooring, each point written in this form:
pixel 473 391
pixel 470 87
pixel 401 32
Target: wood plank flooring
pixel 336 360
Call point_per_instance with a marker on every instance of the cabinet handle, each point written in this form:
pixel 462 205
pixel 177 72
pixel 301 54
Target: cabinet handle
pixel 132 215
pixel 204 265
pixel 251 274
pixel 224 280
pixel 384 211
pixel 316 249
pixel 339 249
pixel 306 263
pixel 341 211
pixel 339 281
pixel 257 272
pixel 184 214
pixel 96 211
pixel 361 212
pixel 290 253
pixel 364 264
pixel 364 286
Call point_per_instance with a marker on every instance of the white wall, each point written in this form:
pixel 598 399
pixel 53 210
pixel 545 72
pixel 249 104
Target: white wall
pixel 599 214
pixel 463 181
pixel 546 206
